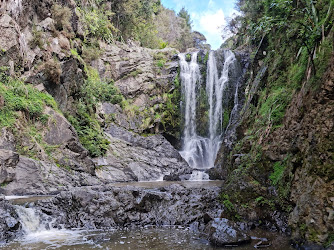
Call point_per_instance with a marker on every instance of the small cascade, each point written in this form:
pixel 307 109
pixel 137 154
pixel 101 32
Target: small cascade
pixel 30 221
pixel 201 151
pixel 38 227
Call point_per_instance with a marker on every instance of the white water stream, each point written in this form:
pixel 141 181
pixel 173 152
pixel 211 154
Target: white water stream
pixel 38 228
pixel 201 152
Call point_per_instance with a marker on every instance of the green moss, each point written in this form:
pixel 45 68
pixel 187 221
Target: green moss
pixel 206 58
pixel 226 118
pixel 274 106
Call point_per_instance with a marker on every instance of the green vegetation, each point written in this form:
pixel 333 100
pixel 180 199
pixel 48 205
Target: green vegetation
pixel 37 40
pixel 277 175
pixel 62 16
pixel 171 109
pixel 226 118
pixel 85 121
pixel 24 98
pixel 291 43
pixel 227 203
pixel 97 24
pixel 330 240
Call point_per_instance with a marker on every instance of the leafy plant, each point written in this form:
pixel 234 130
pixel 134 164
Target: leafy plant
pixel 85 122
pixel 20 97
pixel 97 24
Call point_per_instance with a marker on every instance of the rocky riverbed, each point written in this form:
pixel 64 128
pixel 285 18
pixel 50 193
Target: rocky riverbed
pixel 144 208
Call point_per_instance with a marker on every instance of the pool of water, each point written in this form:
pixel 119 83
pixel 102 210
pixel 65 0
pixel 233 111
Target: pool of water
pixel 177 238
pixel 159 184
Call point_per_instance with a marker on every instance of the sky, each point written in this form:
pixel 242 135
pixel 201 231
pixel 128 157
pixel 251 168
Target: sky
pixel 207 16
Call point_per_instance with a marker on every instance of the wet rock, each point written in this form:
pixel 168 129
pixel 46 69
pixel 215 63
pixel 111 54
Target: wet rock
pixel 107 206
pixel 222 232
pixel 132 157
pixel 9 223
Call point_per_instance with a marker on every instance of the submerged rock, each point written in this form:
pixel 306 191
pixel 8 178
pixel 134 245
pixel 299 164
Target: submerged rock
pixel 222 232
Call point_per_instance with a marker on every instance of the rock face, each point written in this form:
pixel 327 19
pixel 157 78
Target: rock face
pixel 9 223
pixel 286 176
pixel 233 104
pixel 37 177
pixel 222 232
pixel 141 80
pixel 68 150
pixel 8 161
pixel 63 163
pixel 309 124
pixel 105 207
pixel 136 158
pixel 42 54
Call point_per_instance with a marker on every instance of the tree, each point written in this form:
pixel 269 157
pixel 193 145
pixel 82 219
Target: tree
pixel 185 15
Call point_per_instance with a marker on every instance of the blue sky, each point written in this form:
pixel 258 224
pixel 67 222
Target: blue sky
pixel 207 16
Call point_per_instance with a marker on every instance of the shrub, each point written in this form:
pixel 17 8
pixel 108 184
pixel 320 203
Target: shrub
pixel 62 16
pixel 53 71
pixel 85 122
pixel 37 39
pixel 97 24
pixel 90 53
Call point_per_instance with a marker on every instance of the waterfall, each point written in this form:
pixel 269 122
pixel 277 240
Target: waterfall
pixel 201 152
pixel 38 227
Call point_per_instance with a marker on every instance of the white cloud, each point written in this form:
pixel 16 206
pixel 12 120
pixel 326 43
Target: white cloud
pixel 209 23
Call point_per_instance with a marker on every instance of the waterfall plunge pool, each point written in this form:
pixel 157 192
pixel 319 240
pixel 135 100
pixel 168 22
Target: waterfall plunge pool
pixel 38 235
pixel 162 238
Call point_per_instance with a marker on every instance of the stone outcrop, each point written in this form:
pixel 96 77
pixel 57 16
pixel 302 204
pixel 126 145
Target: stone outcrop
pixel 9 223
pixel 308 135
pixel 107 206
pixel 37 177
pixel 63 160
pixel 8 162
pixel 136 158
pixel 222 232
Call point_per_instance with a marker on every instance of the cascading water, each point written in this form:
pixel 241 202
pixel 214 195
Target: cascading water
pixel 38 228
pixel 200 152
